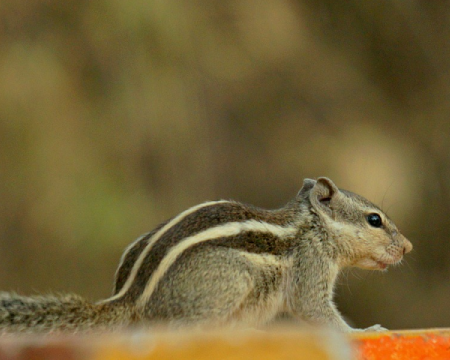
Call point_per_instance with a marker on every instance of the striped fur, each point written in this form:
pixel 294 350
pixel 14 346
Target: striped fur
pixel 149 250
pixel 224 231
pixel 224 263
pixel 138 263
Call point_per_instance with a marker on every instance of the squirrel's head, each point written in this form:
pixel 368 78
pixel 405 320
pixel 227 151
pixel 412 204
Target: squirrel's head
pixel 363 234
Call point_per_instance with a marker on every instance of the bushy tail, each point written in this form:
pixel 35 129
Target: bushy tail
pixel 66 313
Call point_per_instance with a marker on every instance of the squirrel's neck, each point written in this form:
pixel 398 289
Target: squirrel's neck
pixel 316 255
pixel 313 233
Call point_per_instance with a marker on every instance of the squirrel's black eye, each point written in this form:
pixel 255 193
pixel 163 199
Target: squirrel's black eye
pixel 374 220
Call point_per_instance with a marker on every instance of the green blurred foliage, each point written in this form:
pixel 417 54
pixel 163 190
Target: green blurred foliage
pixel 115 115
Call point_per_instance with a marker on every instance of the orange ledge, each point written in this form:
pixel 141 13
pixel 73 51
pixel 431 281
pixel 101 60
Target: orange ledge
pixel 279 344
pixel 407 345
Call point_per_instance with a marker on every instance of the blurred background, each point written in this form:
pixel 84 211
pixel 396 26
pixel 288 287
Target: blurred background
pixel 116 115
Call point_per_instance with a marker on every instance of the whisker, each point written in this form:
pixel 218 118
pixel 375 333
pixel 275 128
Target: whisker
pixel 356 275
pixel 348 285
pixel 385 193
pixel 409 266
pixel 411 257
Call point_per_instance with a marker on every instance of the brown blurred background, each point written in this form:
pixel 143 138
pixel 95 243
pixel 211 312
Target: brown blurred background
pixel 115 115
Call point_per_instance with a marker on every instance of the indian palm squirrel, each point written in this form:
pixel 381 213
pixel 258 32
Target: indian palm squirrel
pixel 223 263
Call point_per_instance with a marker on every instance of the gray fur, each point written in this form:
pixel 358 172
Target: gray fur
pixel 58 313
pixel 256 264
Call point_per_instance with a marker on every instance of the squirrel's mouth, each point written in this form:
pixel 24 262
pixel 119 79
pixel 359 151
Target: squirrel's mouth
pixel 372 263
pixel 382 265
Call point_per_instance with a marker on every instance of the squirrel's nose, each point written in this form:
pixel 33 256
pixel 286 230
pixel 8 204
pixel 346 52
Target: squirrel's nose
pixel 407 247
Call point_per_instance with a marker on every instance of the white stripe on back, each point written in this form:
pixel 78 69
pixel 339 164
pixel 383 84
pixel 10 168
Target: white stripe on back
pixel 125 253
pixel 137 265
pixel 226 230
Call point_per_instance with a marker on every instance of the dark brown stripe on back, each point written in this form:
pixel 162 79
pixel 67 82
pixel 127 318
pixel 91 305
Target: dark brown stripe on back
pixel 200 220
pixel 131 256
pixel 250 242
pixel 255 243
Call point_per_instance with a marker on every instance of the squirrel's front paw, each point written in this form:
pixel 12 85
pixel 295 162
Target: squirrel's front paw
pixel 376 327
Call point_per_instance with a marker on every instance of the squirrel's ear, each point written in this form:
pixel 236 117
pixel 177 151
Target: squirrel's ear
pixel 308 184
pixel 323 195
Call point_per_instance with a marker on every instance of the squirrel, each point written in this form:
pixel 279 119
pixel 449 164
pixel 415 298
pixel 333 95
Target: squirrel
pixel 223 263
